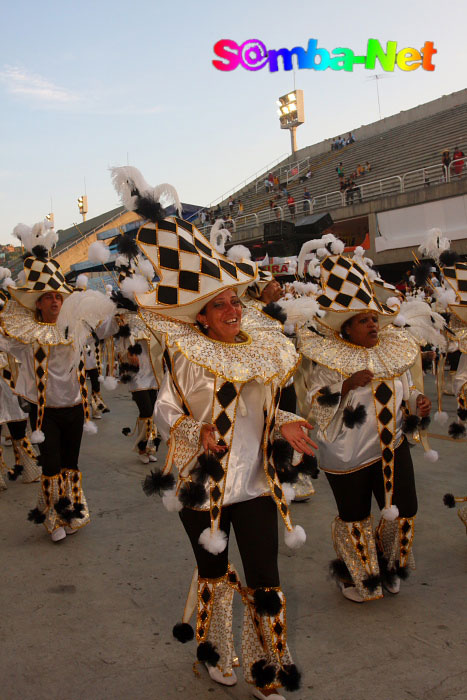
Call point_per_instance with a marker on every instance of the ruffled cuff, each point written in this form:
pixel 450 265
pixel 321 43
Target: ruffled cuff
pixel 283 417
pixel 185 441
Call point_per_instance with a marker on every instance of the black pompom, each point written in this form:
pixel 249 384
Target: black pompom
pixel 192 494
pixel 308 465
pixel 422 272
pixel 41 252
pixel 157 482
pixel 206 653
pixel 462 413
pixel 275 311
pixel 456 431
pixel 123 331
pixel 36 516
pixel 354 416
pixel 402 571
pixel 122 302
pixel 148 208
pixel 209 465
pixel 339 571
pixel 289 677
pixel 424 422
pixel 125 378
pixel 410 423
pixel 263 673
pixel 448 258
pixel 372 582
pixel 14 473
pixel 135 349
pixel 62 504
pixel 327 398
pixel 157 442
pixel 267 602
pixel 183 632
pixel 282 453
pixel 449 500
pixel 126 246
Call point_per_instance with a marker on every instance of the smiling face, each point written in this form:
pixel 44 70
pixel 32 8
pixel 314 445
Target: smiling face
pixel 49 305
pixel 362 329
pixel 222 316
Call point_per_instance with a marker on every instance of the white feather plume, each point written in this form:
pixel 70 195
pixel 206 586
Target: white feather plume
pixel 145 267
pixel 98 252
pixel 219 235
pixel 122 261
pixel 5 278
pixel 434 244
pixel 82 281
pixel 424 324
pixel 238 253
pixel 305 251
pixel 41 233
pixel 300 311
pixel 127 178
pixel 82 311
pixel 445 296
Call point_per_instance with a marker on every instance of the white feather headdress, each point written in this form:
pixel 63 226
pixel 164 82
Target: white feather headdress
pixel 136 195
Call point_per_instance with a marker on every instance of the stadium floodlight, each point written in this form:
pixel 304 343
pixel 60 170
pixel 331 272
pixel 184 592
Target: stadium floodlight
pixel 83 206
pixel 50 217
pixel 292 114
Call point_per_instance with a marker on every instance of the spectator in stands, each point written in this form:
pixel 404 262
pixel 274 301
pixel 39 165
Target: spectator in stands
pixel 271 180
pixel 276 183
pixel 203 217
pixel 306 201
pixel 240 207
pixel 458 161
pixel 340 171
pixel 445 160
pixel 284 192
pixel 360 170
pixel 367 167
pixel 231 206
pixel 350 139
pixel 291 205
pixel 307 176
pixel 267 185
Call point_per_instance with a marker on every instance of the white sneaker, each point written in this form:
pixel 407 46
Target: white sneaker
pixel 144 458
pixel 217 675
pixel 394 586
pixel 351 593
pixel 58 534
pixel 152 458
pixel 261 696
pixel 70 530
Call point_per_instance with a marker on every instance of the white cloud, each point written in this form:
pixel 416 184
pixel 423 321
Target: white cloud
pixel 19 82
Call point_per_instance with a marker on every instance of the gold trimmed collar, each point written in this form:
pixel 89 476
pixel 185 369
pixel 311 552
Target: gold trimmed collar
pixel 20 323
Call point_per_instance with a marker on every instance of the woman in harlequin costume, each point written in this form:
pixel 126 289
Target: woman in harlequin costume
pixel 138 352
pixel 360 389
pixel 218 410
pixel 45 326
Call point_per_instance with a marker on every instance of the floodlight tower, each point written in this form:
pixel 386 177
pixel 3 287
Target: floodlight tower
pixel 83 206
pixel 291 114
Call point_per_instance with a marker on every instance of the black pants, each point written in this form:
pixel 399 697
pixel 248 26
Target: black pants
pixel 93 375
pixel 353 491
pixel 255 526
pixel 145 400
pixel 63 430
pixel 17 429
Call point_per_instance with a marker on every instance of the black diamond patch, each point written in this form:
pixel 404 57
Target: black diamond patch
pixel 34 276
pixel 383 393
pixel 405 527
pixel 343 300
pixel 167 226
pixel 215 512
pixel 404 541
pixel 278 492
pixel 167 295
pixel 387 454
pixel 168 258
pixel 328 264
pixel 354 279
pixel 385 416
pixel 55 284
pixel 356 533
pixel 186 246
pixel 363 296
pixel 388 486
pixel 226 394
pixel 335 282
pixel 205 595
pixel 188 280
pixel 386 436
pixel 147 235
pixel 184 224
pixel 387 471
pixel 223 423
pixel 246 268
pixel 228 267
pixel 278 629
pixel 216 493
pixel 210 268
pixel 343 262
pixel 324 300
pixel 40 355
pixel 271 471
pixel 203 247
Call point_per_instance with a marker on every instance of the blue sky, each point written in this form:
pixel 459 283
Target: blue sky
pixel 86 85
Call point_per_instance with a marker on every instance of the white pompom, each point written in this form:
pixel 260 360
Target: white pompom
pixel 110 383
pixel 441 417
pixel 431 456
pixel 289 328
pixel 359 252
pixel 37 437
pixel 322 252
pixel 101 378
pixel 390 513
pixel 90 427
pixel 288 491
pixel 214 542
pixel 137 284
pixel 171 502
pixel 337 246
pixel 82 281
pixel 295 537
pixel 400 320
pixel 98 252
pixel 393 301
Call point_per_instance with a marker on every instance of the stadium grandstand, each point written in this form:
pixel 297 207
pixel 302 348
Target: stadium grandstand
pixel 387 208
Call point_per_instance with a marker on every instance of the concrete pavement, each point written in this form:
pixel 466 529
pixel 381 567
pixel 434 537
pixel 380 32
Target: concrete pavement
pixel 90 618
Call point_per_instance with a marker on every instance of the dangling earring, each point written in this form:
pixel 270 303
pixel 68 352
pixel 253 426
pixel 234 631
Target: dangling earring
pixel 205 325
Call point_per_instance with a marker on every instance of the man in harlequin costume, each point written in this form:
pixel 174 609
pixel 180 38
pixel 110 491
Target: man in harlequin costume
pixel 41 325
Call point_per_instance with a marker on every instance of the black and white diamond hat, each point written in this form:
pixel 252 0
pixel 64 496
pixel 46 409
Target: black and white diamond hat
pixel 456 278
pixel 190 269
pixel 347 291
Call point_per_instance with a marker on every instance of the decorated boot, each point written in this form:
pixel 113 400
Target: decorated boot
pixel 357 563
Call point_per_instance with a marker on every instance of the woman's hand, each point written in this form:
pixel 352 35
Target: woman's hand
pixel 296 436
pixel 209 440
pixel 361 378
pixel 423 405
